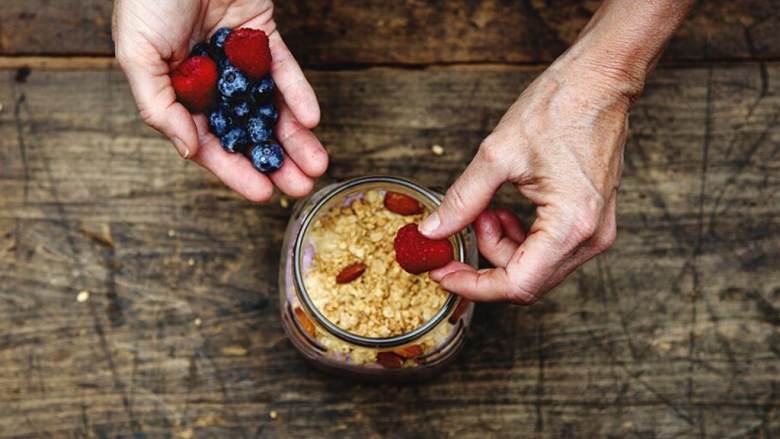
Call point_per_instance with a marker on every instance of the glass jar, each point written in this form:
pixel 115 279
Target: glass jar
pixel 418 353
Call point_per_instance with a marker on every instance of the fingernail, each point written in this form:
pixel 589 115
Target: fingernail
pixel 430 224
pixel 184 151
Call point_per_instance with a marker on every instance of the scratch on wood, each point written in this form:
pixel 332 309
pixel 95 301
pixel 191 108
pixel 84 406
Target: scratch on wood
pixel 117 382
pixel 22 143
pixel 206 352
pixel 740 167
pixel 540 378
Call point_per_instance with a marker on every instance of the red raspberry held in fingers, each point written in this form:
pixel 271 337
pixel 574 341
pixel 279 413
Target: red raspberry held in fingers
pixel 402 204
pixel 417 254
pixel 194 82
pixel 248 50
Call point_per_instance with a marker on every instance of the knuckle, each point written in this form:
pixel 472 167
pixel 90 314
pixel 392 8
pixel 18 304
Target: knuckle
pixel 120 53
pixel 150 116
pixel 519 296
pixel 584 228
pixel 124 53
pixel 606 238
pixel 491 153
pixel 585 221
pixel 456 199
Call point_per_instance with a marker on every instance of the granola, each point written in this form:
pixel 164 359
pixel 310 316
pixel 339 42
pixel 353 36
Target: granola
pixel 384 300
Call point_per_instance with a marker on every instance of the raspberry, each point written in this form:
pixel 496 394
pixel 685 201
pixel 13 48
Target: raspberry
pixel 248 50
pixel 417 254
pixel 193 81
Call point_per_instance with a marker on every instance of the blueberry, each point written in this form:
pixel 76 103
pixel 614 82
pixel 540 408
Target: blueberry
pixel 268 111
pixel 222 61
pixel 241 109
pixel 260 131
pixel 263 91
pixel 266 157
pixel 220 121
pixel 219 37
pixel 235 140
pixel 232 82
pixel 201 49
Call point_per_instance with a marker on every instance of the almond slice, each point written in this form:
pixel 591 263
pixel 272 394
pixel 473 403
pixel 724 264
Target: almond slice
pixel 389 360
pixel 305 323
pixel 402 204
pixel 409 352
pixel 463 305
pixel 350 273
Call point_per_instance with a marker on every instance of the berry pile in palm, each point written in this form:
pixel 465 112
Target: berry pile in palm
pixel 228 80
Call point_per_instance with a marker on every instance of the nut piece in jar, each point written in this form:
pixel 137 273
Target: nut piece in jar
pixel 350 273
pixel 402 204
pixel 305 323
pixel 373 297
pixel 390 360
pixel 408 352
pixel 463 305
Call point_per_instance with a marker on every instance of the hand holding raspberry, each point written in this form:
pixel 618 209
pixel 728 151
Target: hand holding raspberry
pixel 561 146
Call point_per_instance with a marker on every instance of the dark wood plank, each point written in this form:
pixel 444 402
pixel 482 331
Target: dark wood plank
pixel 413 31
pixel 674 332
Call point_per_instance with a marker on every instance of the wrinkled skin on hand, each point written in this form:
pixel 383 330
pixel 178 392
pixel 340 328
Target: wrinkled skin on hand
pixel 561 146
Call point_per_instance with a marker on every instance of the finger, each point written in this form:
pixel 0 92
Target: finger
pixel 452 267
pixel 233 169
pixel 292 84
pixel 601 241
pixel 153 92
pixel 290 180
pixel 534 262
pixel 556 235
pixel 301 145
pixel 466 199
pixel 511 225
pixel 493 240
pixel 480 286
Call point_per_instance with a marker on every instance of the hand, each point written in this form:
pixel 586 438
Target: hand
pixel 153 36
pixel 561 145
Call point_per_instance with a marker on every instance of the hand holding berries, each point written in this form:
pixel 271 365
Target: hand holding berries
pixel 154 38
pixel 242 59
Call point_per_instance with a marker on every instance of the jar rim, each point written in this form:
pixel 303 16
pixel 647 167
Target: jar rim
pixel 303 295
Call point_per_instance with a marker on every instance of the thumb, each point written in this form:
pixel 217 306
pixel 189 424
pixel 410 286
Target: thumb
pixel 467 198
pixel 156 100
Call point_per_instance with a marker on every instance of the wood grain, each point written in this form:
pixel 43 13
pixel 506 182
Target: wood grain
pixel 328 33
pixel 672 333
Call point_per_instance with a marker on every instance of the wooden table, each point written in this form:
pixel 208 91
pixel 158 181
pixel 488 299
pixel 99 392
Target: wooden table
pixel 672 333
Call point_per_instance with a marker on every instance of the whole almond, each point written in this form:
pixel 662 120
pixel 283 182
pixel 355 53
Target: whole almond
pixel 463 305
pixel 350 273
pixel 389 360
pixel 305 323
pixel 402 204
pixel 409 352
